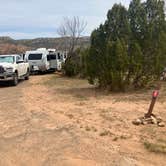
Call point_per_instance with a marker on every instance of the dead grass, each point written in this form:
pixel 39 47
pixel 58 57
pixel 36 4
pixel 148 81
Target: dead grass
pixel 110 113
pixel 107 115
pixel 87 128
pixel 80 97
pixel 105 133
pixel 70 119
pixel 51 80
pixel 158 147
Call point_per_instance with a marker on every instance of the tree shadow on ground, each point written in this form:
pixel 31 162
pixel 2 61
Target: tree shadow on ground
pixel 82 92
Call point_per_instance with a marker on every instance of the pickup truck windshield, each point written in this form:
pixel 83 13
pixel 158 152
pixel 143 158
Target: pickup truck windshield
pixel 6 59
pixel 35 56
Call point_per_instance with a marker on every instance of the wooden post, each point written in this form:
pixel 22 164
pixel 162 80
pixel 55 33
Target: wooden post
pixel 154 97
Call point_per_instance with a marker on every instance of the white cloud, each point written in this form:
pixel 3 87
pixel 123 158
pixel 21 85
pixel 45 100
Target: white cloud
pixel 37 18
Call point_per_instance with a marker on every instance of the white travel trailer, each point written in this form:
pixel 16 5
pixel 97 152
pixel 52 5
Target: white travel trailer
pixel 56 58
pixel 54 61
pixel 39 60
pixel 51 50
pixel 44 59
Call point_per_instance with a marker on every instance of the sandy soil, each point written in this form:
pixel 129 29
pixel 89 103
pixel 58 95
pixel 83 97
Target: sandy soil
pixel 50 120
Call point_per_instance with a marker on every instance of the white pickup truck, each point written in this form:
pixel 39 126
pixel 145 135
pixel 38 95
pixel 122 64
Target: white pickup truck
pixel 13 68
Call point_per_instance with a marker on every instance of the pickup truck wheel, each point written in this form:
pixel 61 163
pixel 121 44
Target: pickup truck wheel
pixel 15 79
pixel 27 76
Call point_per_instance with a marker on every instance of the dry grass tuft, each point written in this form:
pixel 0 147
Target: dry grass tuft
pixel 158 147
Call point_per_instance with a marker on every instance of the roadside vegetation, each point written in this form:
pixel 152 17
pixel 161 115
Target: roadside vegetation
pixel 127 51
pixel 158 147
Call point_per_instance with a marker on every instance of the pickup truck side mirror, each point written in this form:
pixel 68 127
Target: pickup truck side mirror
pixel 20 61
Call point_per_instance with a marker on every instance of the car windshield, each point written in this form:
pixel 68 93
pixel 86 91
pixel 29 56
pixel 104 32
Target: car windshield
pixel 6 59
pixel 35 56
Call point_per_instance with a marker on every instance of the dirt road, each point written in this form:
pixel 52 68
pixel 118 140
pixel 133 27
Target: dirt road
pixel 50 120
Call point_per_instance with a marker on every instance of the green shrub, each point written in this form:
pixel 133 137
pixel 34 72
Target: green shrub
pixel 128 49
pixel 75 64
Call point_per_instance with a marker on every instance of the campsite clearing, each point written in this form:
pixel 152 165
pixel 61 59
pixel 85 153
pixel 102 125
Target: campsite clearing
pixel 53 120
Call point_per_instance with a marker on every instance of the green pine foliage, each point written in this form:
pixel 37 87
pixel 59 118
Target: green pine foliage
pixel 128 50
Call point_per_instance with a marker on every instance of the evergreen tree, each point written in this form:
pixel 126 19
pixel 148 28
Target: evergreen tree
pixel 117 23
pixel 137 19
pixel 135 64
pixel 129 48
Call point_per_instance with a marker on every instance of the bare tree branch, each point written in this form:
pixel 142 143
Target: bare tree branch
pixel 70 30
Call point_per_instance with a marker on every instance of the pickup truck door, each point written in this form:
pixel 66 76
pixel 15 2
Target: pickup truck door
pixel 20 66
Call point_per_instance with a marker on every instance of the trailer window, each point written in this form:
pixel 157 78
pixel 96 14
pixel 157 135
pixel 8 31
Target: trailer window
pixel 53 57
pixel 48 57
pixel 35 56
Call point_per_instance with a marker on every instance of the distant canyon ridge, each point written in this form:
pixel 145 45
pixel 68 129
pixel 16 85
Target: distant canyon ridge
pixel 11 46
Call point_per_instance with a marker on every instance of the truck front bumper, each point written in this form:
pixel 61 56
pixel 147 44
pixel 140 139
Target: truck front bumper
pixel 6 76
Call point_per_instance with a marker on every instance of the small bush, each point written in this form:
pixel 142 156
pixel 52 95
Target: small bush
pixel 75 64
pixel 71 65
pixel 159 147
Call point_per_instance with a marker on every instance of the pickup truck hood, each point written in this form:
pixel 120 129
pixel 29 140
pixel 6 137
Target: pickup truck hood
pixel 6 64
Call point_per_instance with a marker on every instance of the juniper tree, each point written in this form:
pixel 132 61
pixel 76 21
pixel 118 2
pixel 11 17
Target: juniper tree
pixel 129 48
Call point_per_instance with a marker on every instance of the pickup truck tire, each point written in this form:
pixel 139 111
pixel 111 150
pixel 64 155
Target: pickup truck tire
pixel 27 75
pixel 15 79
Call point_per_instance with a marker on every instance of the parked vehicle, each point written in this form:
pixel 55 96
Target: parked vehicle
pixel 61 55
pixel 51 50
pixel 13 68
pixel 38 60
pixel 54 60
pixel 44 59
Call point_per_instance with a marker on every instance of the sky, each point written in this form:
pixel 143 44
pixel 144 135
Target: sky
pixel 27 19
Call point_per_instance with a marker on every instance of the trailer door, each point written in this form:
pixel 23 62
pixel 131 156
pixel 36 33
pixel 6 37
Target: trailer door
pixel 53 61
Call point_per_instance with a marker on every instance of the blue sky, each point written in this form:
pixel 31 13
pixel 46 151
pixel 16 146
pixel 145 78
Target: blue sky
pixel 22 19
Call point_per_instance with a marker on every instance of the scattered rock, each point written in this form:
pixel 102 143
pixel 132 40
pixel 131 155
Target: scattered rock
pixel 144 122
pixel 148 120
pixel 161 124
pixel 159 119
pixel 153 119
pixel 137 122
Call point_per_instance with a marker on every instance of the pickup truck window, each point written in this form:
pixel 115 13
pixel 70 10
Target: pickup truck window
pixel 18 58
pixel 35 56
pixel 6 59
